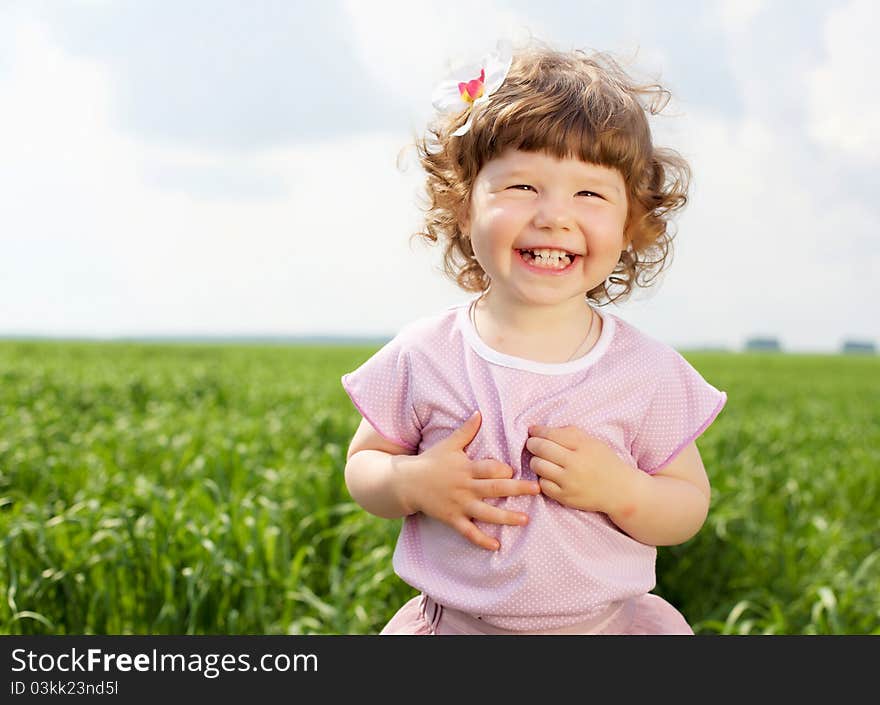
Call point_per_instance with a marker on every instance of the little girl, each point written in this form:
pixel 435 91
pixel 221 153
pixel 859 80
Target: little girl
pixel 539 450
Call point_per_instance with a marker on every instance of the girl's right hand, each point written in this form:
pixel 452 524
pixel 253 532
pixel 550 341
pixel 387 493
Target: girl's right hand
pixel 446 484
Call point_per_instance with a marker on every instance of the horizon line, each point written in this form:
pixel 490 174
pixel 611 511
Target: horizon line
pixel 869 347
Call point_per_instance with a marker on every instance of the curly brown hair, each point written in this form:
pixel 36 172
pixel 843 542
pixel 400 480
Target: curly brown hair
pixel 564 104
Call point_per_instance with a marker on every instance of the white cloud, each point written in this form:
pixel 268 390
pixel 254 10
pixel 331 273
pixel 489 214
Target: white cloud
pixel 770 243
pixel 759 250
pixel 409 46
pixel 92 249
pixel 844 105
pixel 738 15
pixel 61 176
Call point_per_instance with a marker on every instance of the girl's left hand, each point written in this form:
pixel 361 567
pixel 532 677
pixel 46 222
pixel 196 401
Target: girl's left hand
pixel 578 470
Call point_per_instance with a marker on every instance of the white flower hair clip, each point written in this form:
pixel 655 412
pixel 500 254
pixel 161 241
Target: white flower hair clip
pixel 473 84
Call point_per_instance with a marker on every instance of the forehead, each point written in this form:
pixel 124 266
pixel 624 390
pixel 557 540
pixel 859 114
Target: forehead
pixel 516 162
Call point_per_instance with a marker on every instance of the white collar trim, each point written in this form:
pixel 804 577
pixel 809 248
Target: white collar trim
pixel 465 325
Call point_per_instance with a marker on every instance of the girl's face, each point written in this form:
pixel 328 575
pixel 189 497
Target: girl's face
pixel 530 200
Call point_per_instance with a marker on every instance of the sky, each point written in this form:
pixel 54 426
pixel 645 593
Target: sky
pixel 217 167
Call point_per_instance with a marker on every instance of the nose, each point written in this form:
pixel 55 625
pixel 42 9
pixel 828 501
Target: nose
pixel 553 213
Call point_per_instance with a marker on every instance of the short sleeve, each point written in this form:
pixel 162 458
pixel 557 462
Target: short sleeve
pixel 683 406
pixel 382 390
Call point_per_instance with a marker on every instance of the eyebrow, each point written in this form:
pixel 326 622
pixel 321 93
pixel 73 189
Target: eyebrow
pixel 520 171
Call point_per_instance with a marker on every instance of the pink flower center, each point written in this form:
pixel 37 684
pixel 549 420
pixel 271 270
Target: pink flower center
pixel 473 89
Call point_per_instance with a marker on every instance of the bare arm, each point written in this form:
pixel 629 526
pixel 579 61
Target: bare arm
pixel 666 508
pixel 374 479
pixel 373 472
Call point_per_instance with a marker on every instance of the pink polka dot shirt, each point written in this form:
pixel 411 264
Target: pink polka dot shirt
pixel 635 393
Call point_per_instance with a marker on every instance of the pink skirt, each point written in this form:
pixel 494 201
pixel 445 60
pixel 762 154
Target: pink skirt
pixel 647 614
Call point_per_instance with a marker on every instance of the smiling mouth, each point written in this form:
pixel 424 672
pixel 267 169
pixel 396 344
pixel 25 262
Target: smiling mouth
pixel 531 256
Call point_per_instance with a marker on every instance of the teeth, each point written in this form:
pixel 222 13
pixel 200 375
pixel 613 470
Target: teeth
pixel 552 259
pixel 547 253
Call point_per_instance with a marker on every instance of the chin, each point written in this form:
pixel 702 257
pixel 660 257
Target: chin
pixel 549 298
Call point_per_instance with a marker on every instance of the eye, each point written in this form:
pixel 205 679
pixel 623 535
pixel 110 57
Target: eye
pixel 517 186
pixel 592 193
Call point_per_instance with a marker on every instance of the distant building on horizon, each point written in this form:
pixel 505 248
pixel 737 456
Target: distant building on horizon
pixel 858 346
pixel 763 344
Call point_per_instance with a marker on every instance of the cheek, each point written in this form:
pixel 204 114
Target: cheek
pixel 609 220
pixel 504 229
pixel 484 255
pixel 608 235
pixel 495 233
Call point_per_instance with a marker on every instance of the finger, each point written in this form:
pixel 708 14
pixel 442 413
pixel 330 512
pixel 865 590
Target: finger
pixel 566 436
pixel 464 434
pixel 550 488
pixel 469 530
pixel 481 511
pixel 507 488
pixel 488 469
pixel 548 450
pixel 546 470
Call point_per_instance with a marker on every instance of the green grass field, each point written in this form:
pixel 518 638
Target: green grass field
pixel 184 489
